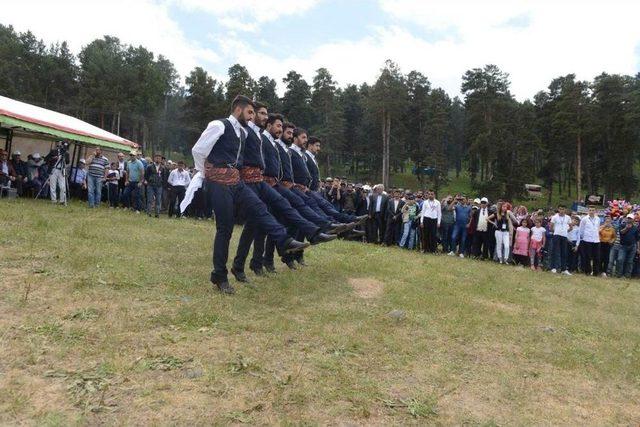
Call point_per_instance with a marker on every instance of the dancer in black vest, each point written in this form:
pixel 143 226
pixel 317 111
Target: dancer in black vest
pixel 218 157
pixel 302 178
pixel 252 175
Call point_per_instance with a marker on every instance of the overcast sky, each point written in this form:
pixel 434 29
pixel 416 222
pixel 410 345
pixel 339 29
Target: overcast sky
pixel 534 41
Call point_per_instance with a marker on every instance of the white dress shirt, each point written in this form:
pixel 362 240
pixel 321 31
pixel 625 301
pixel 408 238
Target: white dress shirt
pixel 298 150
pixel 379 203
pixel 177 178
pixel 589 230
pixel 560 225
pixel 431 209
pixel 313 157
pixel 201 150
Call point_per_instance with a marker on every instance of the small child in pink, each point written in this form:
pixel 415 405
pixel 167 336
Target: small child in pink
pixel 521 246
pixel 538 234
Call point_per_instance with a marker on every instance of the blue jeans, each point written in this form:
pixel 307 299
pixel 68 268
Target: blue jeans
pixel 446 237
pixel 154 192
pixel 408 235
pixel 94 190
pixel 560 250
pixel 624 262
pixel 125 199
pixel 459 237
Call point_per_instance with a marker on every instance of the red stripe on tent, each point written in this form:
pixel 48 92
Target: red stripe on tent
pixel 65 129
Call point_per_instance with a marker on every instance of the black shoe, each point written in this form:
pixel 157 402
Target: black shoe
pixel 239 275
pixel 338 228
pixel 322 238
pixel 225 288
pixel 157 216
pixel 270 269
pixel 357 233
pixel 294 246
pixel 258 271
pixel 291 265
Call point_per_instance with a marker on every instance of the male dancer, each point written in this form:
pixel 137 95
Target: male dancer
pixel 217 156
pixel 252 175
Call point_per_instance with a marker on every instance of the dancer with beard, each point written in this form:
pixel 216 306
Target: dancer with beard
pixel 218 158
pixel 252 175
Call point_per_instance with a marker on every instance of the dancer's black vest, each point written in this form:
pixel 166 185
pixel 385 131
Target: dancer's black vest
pixel 227 151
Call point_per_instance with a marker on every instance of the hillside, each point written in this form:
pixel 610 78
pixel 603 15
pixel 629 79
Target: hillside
pixel 107 317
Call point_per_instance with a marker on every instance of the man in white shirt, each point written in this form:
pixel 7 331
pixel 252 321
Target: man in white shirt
pixel 482 236
pixel 430 218
pixel 589 243
pixel 179 180
pixel 560 225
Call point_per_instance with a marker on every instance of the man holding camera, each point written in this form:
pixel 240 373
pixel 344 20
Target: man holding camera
pixel 56 160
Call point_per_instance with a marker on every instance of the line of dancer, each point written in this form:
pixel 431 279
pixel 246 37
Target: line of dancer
pixel 257 162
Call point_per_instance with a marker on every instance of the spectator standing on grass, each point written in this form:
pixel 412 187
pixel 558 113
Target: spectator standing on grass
pixel 589 243
pixel 627 248
pixel 503 231
pixel 55 173
pixel 430 219
pixel 153 180
pixel 7 173
pixel 537 243
pixel 133 183
pixel 462 213
pixel 78 179
pixel 481 235
pixel 394 219
pixel 446 224
pixel 179 180
pixel 573 254
pixel 522 243
pixel 409 215
pixel 122 169
pixel 607 239
pixel 96 175
pixel 112 178
pixel 560 224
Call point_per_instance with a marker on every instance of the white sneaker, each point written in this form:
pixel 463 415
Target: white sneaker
pixel 566 273
pixel 554 271
pixel 604 275
pixel 461 255
pixel 450 253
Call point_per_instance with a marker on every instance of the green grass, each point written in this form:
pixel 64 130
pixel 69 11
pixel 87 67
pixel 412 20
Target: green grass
pixel 108 317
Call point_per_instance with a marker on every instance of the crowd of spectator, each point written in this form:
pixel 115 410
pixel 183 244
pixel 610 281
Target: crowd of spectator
pixel 594 242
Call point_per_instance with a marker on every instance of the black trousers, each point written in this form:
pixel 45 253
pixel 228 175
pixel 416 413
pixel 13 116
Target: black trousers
pixel 430 234
pixel 176 194
pixel 225 199
pixel 392 232
pixel 481 242
pixel 378 228
pixel 590 256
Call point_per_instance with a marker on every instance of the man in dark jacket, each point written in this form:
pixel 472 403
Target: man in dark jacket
pixel 377 214
pixel 393 217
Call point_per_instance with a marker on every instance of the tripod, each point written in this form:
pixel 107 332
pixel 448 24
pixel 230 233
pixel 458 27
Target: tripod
pixel 62 165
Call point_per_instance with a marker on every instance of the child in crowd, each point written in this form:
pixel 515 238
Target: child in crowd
pixel 521 246
pixel 572 237
pixel 537 243
pixel 113 175
pixel 607 238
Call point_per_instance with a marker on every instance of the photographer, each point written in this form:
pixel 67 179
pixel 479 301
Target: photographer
pixel 56 161
pixel 446 225
pixel 334 195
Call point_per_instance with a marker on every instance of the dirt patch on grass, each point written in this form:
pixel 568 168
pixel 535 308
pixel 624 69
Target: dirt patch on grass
pixel 504 307
pixel 366 288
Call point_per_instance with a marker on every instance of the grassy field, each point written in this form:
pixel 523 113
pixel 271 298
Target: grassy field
pixel 107 317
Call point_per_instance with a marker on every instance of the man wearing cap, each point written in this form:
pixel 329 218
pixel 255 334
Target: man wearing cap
pixel 481 235
pixel 133 182
pixel 21 171
pixel 34 179
pixel 77 179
